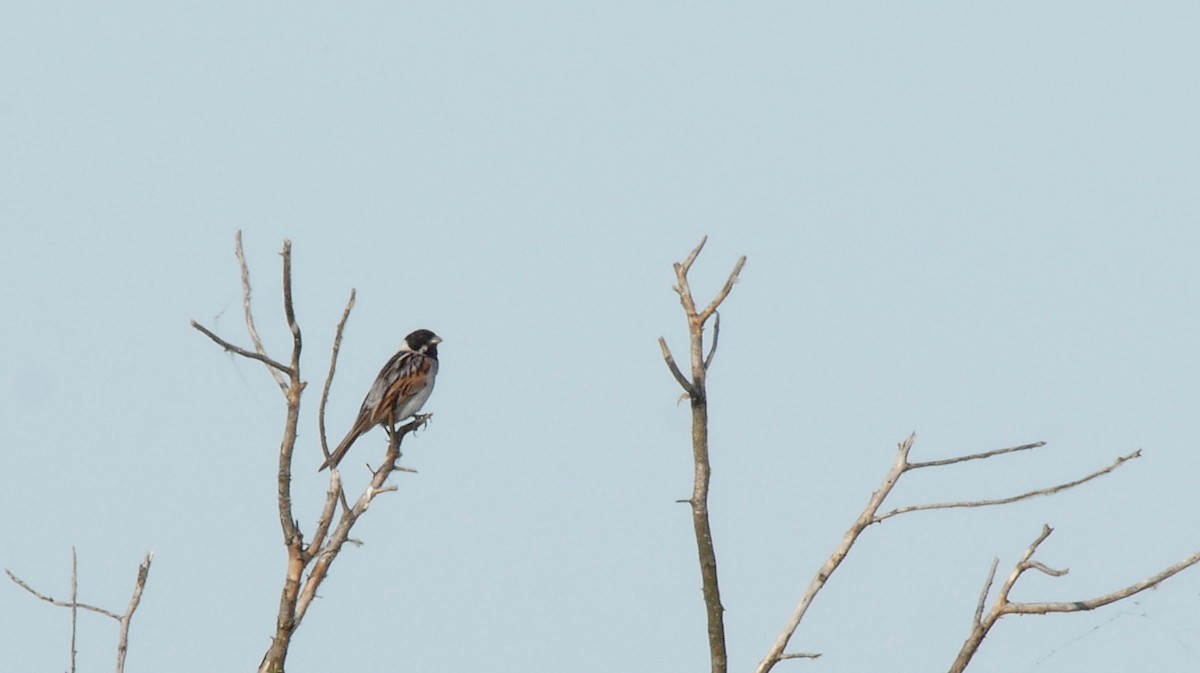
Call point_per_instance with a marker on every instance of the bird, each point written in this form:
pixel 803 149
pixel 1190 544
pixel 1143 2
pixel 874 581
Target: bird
pixel 398 393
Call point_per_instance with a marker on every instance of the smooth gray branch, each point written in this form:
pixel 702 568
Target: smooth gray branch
pixel 1050 490
pixel 974 456
pixel 801 655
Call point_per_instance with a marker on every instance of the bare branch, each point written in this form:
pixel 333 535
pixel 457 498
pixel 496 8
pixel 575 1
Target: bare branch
pixel 341 533
pixel 687 385
pixel 1042 567
pixel 864 520
pixel 74 604
pixel 294 387
pixel 987 588
pixel 712 350
pixel 684 290
pixel 332 497
pixel 686 266
pixel 1011 499
pixel 293 540
pixel 134 601
pixel 733 276
pixel 337 346
pixel 289 311
pixel 981 625
pixel 974 456
pixel 1022 565
pixel 62 604
pixel 238 350
pixel 333 356
pixel 801 655
pixel 249 313
pixel 1100 601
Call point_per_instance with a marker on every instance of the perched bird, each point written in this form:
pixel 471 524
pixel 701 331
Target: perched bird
pixel 399 391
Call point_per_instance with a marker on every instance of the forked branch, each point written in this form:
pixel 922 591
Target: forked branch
pixel 982 623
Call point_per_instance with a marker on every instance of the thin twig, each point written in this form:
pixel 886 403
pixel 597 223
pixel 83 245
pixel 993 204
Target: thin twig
pixel 248 311
pixel 333 357
pixel 289 310
pixel 716 336
pixel 62 604
pixel 74 603
pixel 679 377
pixel 134 601
pixel 686 265
pixel 238 350
pixel 974 456
pixel 987 588
pixel 725 290
pixel 1043 568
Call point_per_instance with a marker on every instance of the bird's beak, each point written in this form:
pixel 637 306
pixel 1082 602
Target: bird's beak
pixel 436 340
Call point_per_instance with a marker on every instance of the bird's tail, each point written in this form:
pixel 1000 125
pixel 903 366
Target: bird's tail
pixel 340 452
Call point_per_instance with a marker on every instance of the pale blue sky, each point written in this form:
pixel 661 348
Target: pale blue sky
pixel 975 222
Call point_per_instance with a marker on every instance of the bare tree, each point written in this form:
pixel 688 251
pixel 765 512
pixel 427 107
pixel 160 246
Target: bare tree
pixel 122 619
pixel 694 389
pixel 338 515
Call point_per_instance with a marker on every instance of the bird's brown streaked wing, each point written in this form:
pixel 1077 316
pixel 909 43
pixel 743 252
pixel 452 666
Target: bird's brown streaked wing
pixel 412 377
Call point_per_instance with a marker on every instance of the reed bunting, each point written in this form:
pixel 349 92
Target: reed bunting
pixel 399 391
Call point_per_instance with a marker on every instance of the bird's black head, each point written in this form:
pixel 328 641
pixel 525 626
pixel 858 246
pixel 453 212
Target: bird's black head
pixel 423 341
